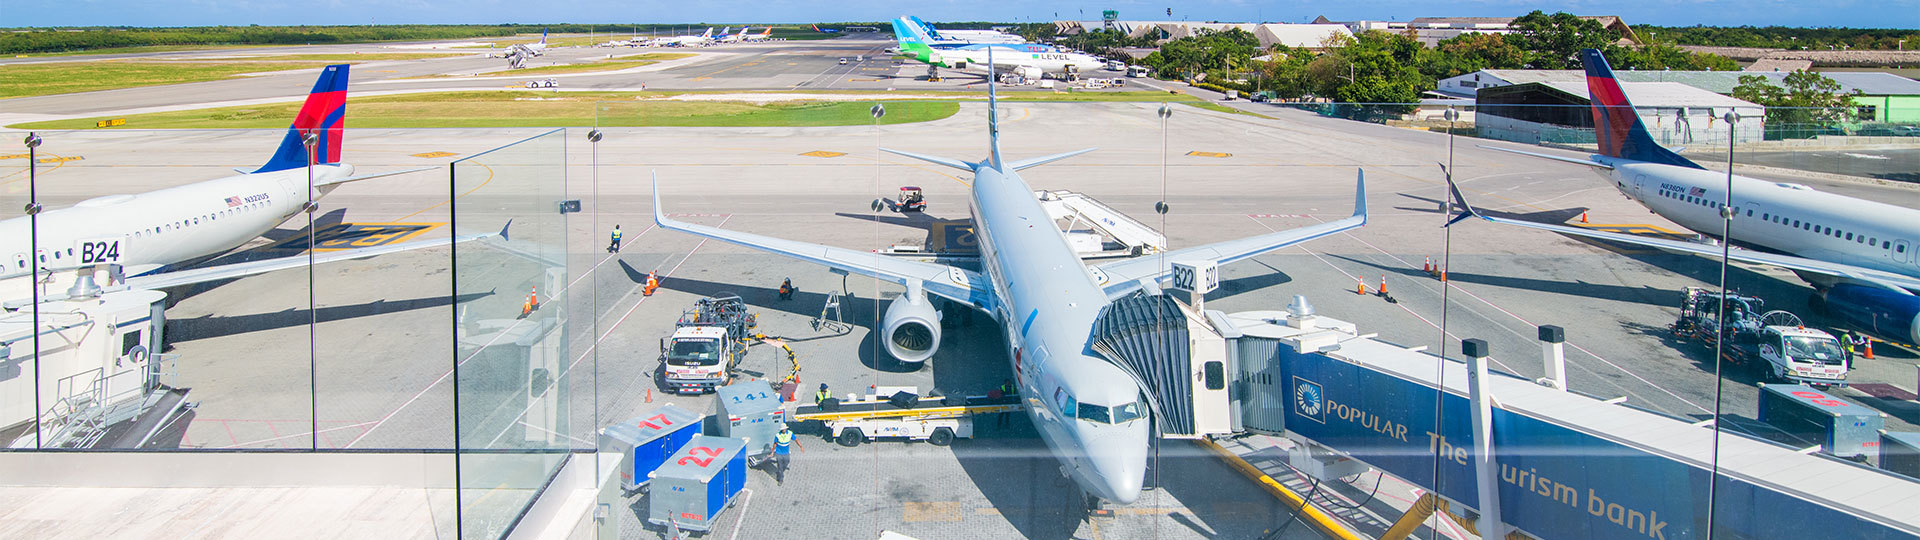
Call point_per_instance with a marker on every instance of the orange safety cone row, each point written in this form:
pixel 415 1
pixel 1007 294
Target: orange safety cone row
pixel 533 302
pixel 1362 288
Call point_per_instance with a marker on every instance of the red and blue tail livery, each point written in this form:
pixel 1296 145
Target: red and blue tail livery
pixel 1616 125
pixel 323 116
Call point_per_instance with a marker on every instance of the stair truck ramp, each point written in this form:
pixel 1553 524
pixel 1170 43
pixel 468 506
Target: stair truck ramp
pixel 1569 466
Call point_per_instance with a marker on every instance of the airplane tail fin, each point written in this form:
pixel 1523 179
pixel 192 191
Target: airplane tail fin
pixel 323 116
pixel 708 33
pixel 923 26
pixel 543 36
pixel 903 33
pixel 1616 124
pixel 993 113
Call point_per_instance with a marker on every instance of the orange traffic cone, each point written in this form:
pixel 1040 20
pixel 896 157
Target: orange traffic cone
pixel 533 302
pixel 652 283
pixel 1383 285
pixel 1583 217
pixel 1362 288
pixel 1427 266
pixel 649 395
pixel 1869 348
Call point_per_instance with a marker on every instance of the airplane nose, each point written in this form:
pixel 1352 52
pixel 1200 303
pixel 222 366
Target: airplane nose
pixel 1121 466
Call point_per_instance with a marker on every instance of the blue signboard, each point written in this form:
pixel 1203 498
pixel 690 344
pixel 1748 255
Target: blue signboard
pixel 1555 482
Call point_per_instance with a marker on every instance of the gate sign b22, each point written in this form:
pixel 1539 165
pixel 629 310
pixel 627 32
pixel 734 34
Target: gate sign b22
pixel 1555 482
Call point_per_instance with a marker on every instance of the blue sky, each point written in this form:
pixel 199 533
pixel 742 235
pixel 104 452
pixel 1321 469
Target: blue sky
pixel 1852 13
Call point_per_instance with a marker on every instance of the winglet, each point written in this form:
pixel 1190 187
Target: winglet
pixel 1360 195
pixel 659 216
pixel 1466 209
pixel 503 230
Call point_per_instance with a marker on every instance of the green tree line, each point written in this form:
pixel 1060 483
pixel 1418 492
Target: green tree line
pixel 45 40
pixel 1784 37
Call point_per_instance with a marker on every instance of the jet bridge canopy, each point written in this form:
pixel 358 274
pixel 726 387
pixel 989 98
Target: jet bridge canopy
pixel 1175 357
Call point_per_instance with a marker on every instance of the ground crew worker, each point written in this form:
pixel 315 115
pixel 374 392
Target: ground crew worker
pixel 782 448
pixel 1007 390
pixel 614 247
pixel 822 396
pixel 1846 342
pixel 786 289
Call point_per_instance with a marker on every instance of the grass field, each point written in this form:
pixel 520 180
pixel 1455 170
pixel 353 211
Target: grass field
pixel 535 109
pixel 140 49
pixel 613 109
pixel 20 80
pixel 365 57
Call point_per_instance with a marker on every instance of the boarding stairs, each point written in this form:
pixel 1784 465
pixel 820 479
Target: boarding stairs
pixel 1131 237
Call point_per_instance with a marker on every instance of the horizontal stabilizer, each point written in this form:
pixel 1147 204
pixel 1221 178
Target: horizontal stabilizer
pixel 1587 162
pixel 371 176
pixel 957 164
pixel 1036 162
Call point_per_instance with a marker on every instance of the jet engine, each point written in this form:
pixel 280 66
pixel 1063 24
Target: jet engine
pixel 1881 312
pixel 1030 72
pixel 911 328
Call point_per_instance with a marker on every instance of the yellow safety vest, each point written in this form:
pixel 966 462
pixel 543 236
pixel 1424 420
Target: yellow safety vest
pixel 820 396
pixel 783 438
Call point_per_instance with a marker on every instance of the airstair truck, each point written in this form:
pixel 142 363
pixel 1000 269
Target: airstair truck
pixel 707 344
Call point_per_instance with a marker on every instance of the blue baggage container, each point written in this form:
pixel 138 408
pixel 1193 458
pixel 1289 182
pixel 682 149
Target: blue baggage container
pixel 697 483
pixel 1844 429
pixel 646 441
pixel 749 409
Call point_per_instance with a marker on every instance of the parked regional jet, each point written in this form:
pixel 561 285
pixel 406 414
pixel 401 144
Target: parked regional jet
pixel 1088 410
pixel 1033 64
pixel 144 239
pixel 962 37
pixel 1862 257
pixel 762 36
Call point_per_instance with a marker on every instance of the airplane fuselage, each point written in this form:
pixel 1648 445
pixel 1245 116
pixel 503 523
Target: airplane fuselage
pixel 1047 303
pixel 1783 217
pixel 156 228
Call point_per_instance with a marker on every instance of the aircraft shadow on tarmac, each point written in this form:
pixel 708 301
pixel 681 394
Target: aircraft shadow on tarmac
pixel 261 252
pixel 1641 295
pixel 179 330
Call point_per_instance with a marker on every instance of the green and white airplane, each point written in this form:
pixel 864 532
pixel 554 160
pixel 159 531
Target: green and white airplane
pixel 1028 60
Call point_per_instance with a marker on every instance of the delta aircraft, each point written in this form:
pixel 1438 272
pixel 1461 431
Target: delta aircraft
pixel 1031 61
pixel 1862 257
pixel 1046 301
pixel 150 240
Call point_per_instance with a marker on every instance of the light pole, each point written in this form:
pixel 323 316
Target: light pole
pixel 33 225
pixel 310 140
pixel 1719 330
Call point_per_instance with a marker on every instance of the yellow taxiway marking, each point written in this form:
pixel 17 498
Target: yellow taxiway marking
pixel 1197 153
pixel 823 154
pixel 434 154
pixel 863 80
pixel 358 235
pixel 13 156
pixel 61 159
pixel 932 511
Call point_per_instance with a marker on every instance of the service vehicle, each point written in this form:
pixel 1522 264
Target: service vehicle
pixel 912 200
pixel 1776 343
pixel 708 343
pixel 900 412
pixel 546 83
pixel 843 61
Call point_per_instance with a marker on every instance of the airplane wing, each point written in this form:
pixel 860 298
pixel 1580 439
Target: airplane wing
pixel 948 282
pixel 1587 162
pixel 1889 280
pixel 1124 276
pixel 237 270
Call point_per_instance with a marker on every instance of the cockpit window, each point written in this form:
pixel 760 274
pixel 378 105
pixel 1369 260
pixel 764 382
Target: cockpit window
pixel 1110 415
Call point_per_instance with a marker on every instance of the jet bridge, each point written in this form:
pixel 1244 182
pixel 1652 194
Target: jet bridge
pixel 1176 356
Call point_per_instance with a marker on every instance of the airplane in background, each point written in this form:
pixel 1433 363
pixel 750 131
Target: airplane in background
pixel 538 47
pixel 817 28
pixel 150 240
pixel 962 37
pixel 704 39
pixel 1032 64
pixel 762 36
pixel 1861 256
pixel 726 35
pixel 1088 410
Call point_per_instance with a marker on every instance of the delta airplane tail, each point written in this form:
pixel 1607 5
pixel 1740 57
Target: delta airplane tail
pixel 1616 125
pixel 324 116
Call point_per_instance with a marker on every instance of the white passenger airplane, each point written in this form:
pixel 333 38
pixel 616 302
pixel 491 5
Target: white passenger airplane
pixel 538 47
pixel 1031 61
pixel 143 240
pixel 762 36
pixel 1862 257
pixel 963 37
pixel 1088 410
pixel 702 40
